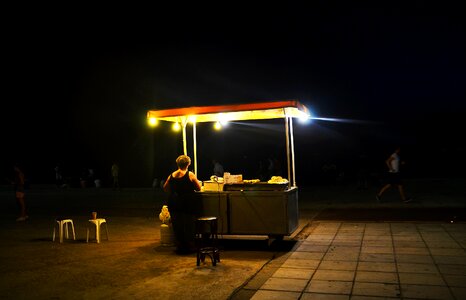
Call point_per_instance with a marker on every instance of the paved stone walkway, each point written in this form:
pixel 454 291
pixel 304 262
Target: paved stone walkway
pixel 345 260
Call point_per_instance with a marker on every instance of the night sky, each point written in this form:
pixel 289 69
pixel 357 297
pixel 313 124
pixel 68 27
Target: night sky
pixel 79 84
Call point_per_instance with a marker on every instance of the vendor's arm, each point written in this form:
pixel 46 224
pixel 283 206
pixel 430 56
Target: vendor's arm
pixel 193 178
pixel 166 185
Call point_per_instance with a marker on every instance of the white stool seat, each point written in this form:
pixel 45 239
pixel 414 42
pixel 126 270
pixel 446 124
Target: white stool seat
pixel 62 223
pixel 97 222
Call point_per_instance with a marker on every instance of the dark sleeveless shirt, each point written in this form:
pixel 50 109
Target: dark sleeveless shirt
pixel 181 186
pixel 182 193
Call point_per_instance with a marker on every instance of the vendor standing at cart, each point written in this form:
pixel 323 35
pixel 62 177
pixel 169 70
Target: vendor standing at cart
pixel 182 184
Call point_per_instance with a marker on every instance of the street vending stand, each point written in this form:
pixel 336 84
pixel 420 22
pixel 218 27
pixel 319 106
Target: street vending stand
pixel 245 207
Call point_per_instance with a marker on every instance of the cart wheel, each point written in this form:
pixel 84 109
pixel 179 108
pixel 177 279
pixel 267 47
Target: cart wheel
pixel 274 240
pixel 276 237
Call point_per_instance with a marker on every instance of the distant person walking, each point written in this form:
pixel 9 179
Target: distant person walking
pixel 19 192
pixel 218 168
pixel 84 177
pixel 393 163
pixel 115 176
pixel 58 176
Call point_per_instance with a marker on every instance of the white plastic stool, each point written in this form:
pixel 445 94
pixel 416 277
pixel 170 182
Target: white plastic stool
pixel 97 223
pixel 62 222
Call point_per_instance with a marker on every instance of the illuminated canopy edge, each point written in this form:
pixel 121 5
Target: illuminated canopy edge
pixel 232 112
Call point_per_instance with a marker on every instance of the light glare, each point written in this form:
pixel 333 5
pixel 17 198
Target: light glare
pixel 192 119
pixel 176 126
pixel 223 119
pixel 217 126
pixel 304 119
pixel 152 122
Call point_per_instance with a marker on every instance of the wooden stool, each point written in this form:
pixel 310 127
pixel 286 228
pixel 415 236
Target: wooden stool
pixel 63 222
pixel 206 239
pixel 97 223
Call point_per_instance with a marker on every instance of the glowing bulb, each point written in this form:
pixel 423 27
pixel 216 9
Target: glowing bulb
pixel 217 126
pixel 152 121
pixel 192 119
pixel 304 118
pixel 176 126
pixel 223 119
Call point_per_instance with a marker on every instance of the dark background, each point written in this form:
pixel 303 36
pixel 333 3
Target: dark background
pixel 79 81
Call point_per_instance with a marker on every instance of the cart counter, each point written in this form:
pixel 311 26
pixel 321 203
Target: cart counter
pixel 252 211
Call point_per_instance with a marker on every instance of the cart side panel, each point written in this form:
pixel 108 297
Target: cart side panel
pixel 215 204
pixel 291 197
pixel 258 213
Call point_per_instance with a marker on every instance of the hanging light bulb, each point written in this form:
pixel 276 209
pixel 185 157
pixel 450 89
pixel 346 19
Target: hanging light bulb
pixel 217 126
pixel 176 126
pixel 152 122
pixel 192 119
pixel 223 119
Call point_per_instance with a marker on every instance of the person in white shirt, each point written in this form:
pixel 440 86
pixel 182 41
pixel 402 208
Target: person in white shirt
pixel 393 163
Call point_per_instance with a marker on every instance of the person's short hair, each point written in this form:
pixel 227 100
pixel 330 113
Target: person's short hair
pixel 183 161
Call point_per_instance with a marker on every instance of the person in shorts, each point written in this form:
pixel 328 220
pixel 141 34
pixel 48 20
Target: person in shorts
pixel 393 163
pixel 19 193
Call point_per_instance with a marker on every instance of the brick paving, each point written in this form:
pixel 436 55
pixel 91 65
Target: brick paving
pixel 368 260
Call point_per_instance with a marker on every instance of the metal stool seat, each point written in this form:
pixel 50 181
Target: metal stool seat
pixel 97 222
pixel 62 223
pixel 206 239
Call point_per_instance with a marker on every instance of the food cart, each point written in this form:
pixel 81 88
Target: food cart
pixel 244 207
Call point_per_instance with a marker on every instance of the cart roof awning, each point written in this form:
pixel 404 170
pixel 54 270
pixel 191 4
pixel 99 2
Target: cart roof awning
pixel 233 112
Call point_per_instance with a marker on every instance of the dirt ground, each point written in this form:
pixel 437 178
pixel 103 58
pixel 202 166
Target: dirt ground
pixel 132 264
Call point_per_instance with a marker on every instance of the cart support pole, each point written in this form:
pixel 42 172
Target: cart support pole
pixel 185 150
pixel 195 147
pixel 292 153
pixel 287 129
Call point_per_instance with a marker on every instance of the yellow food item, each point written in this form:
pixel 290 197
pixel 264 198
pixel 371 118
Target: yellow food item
pixel 251 180
pixel 277 179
